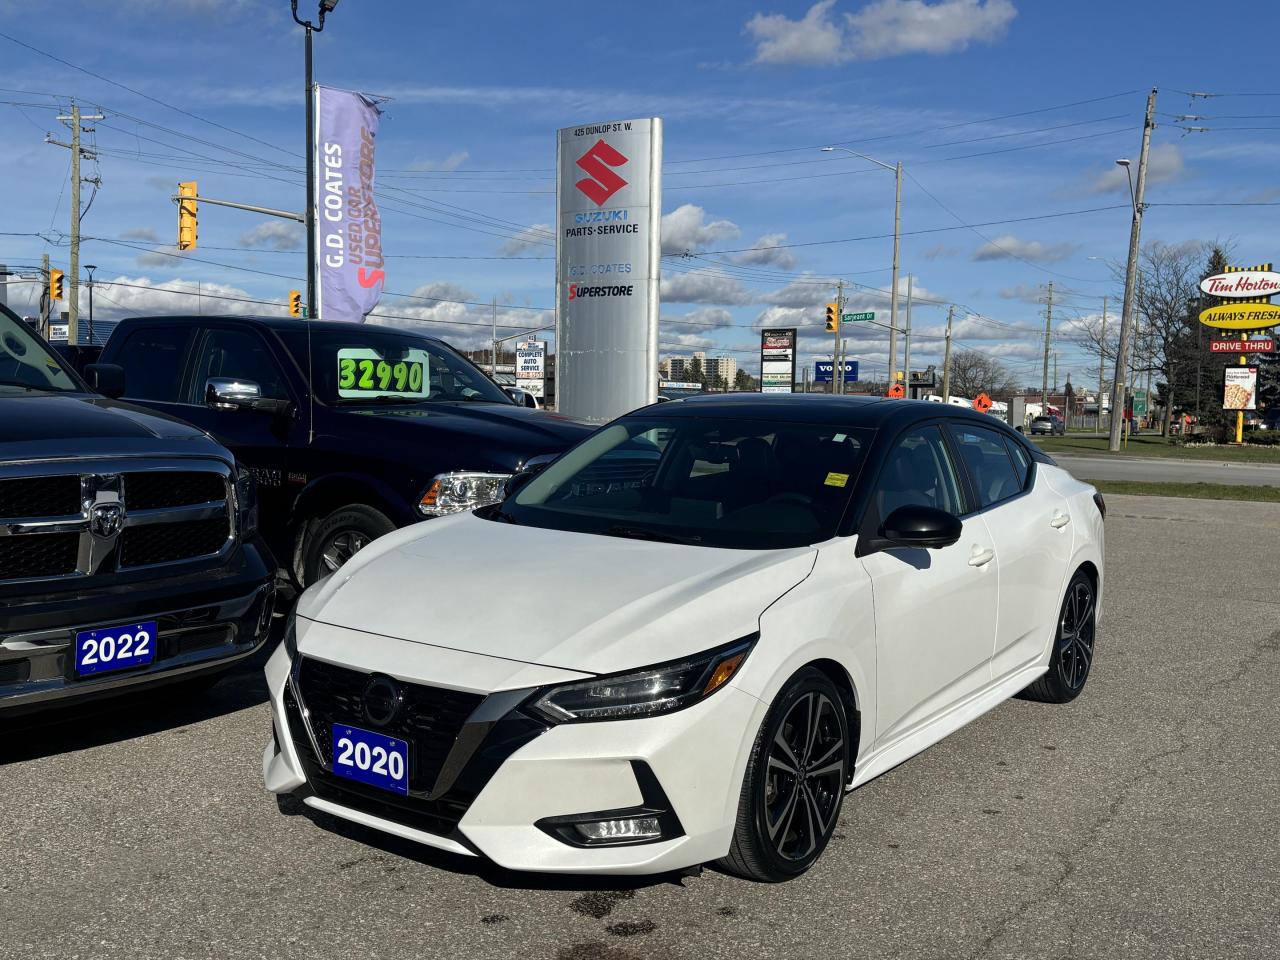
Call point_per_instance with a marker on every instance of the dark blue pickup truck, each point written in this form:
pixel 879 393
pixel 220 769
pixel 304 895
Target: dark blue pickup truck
pixel 399 427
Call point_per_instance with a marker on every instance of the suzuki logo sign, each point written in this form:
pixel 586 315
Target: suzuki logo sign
pixel 602 183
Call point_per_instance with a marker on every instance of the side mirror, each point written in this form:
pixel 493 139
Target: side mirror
pixel 106 378
pixel 226 393
pixel 522 397
pixel 532 467
pixel 926 528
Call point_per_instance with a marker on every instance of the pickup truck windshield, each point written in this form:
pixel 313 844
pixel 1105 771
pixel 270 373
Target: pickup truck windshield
pixel 26 364
pixel 746 484
pixel 375 365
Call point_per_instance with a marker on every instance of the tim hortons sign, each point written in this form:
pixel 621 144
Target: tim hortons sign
pixel 1243 283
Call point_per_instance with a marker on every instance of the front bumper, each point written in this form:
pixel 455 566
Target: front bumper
pixel 206 622
pixel 520 772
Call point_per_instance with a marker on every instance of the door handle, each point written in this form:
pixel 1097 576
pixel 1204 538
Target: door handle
pixel 980 557
pixel 1059 520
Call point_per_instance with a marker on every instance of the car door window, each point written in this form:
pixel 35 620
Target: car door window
pixel 1021 462
pixel 918 472
pixel 153 359
pixel 238 354
pixel 984 455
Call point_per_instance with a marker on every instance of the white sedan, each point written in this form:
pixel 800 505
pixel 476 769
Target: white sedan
pixel 689 636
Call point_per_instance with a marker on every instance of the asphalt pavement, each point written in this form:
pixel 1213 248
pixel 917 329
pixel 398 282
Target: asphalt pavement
pixel 1169 470
pixel 1139 821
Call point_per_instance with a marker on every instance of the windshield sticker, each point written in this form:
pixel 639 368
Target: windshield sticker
pixel 836 479
pixel 363 372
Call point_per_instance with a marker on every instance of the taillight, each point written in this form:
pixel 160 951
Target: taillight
pixel 1101 504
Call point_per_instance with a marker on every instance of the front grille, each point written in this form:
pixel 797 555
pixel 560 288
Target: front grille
pixel 167 542
pixel 172 488
pixel 51 555
pixel 429 719
pixel 30 497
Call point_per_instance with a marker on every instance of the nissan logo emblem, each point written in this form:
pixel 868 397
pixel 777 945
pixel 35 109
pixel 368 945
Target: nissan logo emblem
pixel 382 698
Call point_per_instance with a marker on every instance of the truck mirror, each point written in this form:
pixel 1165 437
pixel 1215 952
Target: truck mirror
pixel 227 393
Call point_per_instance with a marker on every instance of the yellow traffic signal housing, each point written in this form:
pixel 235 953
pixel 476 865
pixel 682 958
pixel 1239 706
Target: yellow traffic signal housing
pixel 187 215
pixel 55 285
pixel 833 317
pixel 295 303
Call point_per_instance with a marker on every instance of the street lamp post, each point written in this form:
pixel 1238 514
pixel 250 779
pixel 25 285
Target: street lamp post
pixel 897 238
pixel 90 267
pixel 326 6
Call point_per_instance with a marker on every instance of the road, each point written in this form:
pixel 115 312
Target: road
pixel 1160 469
pixel 1138 821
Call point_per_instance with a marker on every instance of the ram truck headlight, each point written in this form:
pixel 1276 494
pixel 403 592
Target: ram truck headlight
pixel 246 502
pixel 649 692
pixel 462 490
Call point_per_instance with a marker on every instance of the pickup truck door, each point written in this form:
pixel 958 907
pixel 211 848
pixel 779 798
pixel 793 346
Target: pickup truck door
pixel 260 440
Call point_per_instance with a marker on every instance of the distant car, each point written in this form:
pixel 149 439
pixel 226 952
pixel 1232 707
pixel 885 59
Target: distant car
pixel 1049 426
pixel 1271 419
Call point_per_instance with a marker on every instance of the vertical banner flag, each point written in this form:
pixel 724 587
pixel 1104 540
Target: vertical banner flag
pixel 778 360
pixel 608 256
pixel 348 228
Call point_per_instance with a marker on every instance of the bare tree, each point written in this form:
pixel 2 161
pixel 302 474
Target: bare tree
pixel 974 372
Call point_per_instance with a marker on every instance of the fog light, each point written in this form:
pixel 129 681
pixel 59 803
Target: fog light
pixel 630 829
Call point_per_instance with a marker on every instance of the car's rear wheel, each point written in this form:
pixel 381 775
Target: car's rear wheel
pixel 794 784
pixel 339 537
pixel 1073 645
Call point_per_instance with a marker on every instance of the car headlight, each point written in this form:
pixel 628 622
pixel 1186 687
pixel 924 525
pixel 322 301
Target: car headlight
pixel 246 501
pixel 660 689
pixel 462 490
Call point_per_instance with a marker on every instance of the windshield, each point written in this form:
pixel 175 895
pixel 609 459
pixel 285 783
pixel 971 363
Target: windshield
pixel 26 364
pixel 375 365
pixel 747 484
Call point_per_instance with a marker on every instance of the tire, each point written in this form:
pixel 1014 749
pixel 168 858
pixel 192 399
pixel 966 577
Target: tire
pixel 1073 645
pixel 338 537
pixel 784 819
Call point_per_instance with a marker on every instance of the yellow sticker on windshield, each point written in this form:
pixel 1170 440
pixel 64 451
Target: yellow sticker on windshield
pixel 836 479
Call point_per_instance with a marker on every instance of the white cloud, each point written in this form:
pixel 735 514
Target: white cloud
pixel 145 234
pixel 538 237
pixel 883 28
pixel 467 326
pixel 132 296
pixel 450 163
pixel 703 286
pixel 1009 247
pixel 687 230
pixel 703 320
pixel 677 344
pixel 767 252
pixel 274 235
pixel 1164 165
pixel 167 257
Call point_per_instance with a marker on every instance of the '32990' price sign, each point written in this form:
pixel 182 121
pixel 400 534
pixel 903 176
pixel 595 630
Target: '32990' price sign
pixel 361 372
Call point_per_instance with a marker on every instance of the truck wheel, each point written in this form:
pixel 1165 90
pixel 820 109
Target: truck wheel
pixel 339 537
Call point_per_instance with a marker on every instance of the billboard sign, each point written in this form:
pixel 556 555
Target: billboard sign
pixel 1240 388
pixel 531 367
pixel 1256 345
pixel 1241 316
pixel 608 215
pixel 349 264
pixel 823 369
pixel 1238 284
pixel 778 360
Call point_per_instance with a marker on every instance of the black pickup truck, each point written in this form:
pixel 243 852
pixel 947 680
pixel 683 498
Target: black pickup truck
pixel 399 426
pixel 129 553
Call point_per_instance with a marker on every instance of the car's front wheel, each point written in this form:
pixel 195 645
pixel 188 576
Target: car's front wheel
pixel 794 784
pixel 339 537
pixel 1073 645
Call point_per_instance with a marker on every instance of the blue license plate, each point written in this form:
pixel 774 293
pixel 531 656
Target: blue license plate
pixel 372 758
pixel 115 648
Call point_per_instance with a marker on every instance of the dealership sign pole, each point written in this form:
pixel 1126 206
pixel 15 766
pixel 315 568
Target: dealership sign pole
pixel 1249 290
pixel 348 228
pixel 608 257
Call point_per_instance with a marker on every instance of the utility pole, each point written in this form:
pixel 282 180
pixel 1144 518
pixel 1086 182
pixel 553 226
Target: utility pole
pixel 946 359
pixel 1131 274
pixel 1055 372
pixel 46 305
pixel 837 366
pixel 1102 359
pixel 906 345
pixel 494 369
pixel 73 279
pixel 1048 332
pixel 893 295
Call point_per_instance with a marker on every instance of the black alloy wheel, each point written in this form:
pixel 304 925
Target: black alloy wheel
pixel 340 536
pixel 794 786
pixel 1073 647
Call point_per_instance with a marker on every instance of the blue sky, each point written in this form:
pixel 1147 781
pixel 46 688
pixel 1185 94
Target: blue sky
pixel 748 92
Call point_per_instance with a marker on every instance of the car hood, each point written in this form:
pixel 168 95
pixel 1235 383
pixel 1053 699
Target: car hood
pixel 582 602
pixel 519 428
pixel 56 424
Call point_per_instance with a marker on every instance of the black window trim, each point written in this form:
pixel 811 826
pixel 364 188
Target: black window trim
pixel 964 468
pixel 201 332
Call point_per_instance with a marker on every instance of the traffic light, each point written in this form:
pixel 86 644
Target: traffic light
pixel 833 317
pixel 295 303
pixel 55 285
pixel 187 215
